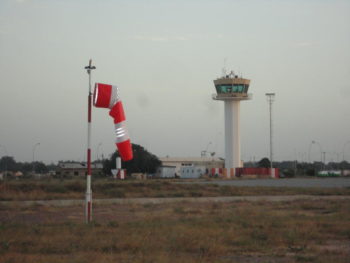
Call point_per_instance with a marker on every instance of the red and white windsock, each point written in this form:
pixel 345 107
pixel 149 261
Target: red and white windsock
pixel 107 96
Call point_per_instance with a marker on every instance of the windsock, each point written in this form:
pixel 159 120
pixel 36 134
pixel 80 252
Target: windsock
pixel 107 96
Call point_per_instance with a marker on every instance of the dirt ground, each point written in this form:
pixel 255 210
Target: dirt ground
pixel 295 230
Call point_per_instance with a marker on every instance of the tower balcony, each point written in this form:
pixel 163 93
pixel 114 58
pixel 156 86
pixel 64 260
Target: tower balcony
pixel 232 96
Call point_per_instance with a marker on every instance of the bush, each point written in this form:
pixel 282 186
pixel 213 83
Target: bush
pixel 55 188
pixel 116 193
pixel 288 172
pixel 75 186
pixel 311 172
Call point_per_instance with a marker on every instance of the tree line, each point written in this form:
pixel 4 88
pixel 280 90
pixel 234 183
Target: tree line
pixel 9 164
pixel 143 162
pixel 292 168
pixel 146 162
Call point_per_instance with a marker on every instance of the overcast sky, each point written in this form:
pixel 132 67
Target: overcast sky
pixel 164 56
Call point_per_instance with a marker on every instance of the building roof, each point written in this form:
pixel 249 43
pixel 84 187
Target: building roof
pixel 191 159
pixel 78 165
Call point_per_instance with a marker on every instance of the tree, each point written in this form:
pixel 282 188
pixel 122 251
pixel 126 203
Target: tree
pixel 143 161
pixel 40 167
pixel 27 168
pixel 264 162
pixel 8 163
pixel 107 165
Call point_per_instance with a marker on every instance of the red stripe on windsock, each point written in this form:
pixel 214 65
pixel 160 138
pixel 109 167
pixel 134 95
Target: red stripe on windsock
pixel 117 112
pixel 104 95
pixel 125 150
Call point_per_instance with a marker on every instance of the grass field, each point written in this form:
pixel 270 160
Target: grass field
pixel 241 231
pixel 301 231
pixel 103 188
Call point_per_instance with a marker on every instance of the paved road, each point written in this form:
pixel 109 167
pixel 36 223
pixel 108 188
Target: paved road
pixel 292 182
pixel 278 198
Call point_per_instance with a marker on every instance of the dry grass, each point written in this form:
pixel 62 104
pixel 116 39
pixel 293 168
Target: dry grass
pixel 299 231
pixel 103 188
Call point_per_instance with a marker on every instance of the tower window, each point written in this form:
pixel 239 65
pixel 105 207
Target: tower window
pixel 232 88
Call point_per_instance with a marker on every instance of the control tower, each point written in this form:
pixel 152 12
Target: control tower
pixel 232 89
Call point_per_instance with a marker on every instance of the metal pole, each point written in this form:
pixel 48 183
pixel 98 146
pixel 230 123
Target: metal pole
pixel 98 148
pixel 88 196
pixel 324 160
pixel 270 99
pixel 6 155
pixel 319 145
pixel 310 151
pixel 37 144
pixel 344 149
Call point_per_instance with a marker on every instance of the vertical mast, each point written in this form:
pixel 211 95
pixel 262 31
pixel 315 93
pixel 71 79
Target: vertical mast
pixel 88 196
pixel 270 99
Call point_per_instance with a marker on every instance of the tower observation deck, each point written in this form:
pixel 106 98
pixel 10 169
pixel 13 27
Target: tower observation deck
pixel 232 89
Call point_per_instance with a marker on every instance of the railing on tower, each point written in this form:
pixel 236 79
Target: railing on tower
pixel 232 96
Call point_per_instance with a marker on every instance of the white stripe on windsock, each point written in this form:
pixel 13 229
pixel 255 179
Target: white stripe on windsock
pixel 114 97
pixel 121 132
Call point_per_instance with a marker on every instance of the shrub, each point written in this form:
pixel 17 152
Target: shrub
pixel 55 188
pixel 75 186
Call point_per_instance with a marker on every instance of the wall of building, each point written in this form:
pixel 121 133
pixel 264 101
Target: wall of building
pixel 166 171
pixel 72 169
pixel 193 171
pixel 179 162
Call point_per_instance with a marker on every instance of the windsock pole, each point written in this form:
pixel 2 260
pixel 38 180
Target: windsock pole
pixel 88 195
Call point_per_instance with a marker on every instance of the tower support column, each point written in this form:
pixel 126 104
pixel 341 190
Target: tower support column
pixel 232 135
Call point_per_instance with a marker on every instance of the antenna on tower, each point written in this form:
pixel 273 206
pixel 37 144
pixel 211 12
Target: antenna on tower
pixel 224 72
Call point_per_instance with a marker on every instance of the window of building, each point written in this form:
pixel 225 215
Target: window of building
pixel 237 88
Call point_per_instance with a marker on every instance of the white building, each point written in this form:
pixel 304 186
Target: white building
pixel 77 168
pixel 193 171
pixel 166 171
pixel 179 162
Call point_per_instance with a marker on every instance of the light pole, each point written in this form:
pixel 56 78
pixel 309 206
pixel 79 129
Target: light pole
pixel 324 160
pixel 97 151
pixel 336 164
pixel 5 150
pixel 88 196
pixel 319 145
pixel 336 154
pixel 270 98
pixel 348 142
pixel 34 147
pixel 204 153
pixel 309 156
